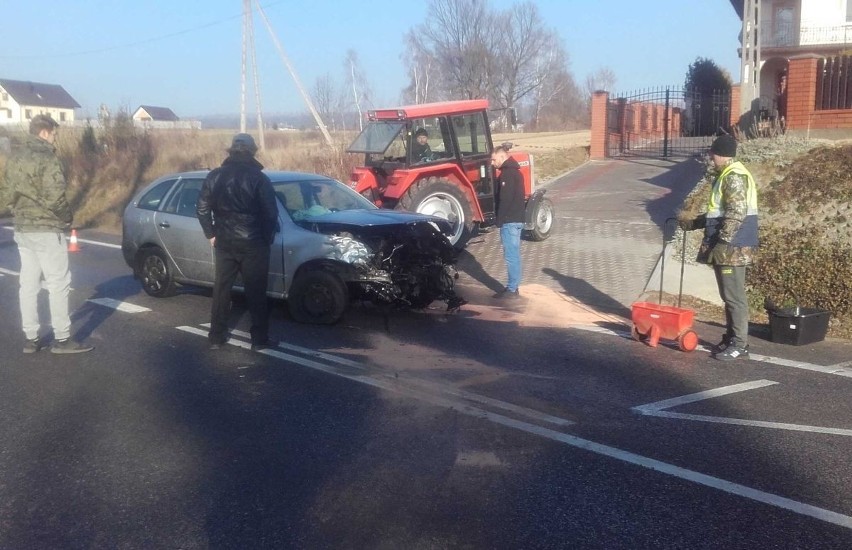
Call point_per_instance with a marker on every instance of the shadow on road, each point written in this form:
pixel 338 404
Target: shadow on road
pixel 587 294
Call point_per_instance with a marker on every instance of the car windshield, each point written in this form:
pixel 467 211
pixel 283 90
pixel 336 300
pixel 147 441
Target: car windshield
pixel 376 137
pixel 308 198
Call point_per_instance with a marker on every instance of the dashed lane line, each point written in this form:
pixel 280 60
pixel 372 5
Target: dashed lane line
pixel 459 398
pixel 84 241
pixel 659 409
pixel 756 495
pixel 99 243
pixel 118 305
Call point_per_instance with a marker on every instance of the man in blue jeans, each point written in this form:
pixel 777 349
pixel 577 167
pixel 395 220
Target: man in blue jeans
pixel 510 217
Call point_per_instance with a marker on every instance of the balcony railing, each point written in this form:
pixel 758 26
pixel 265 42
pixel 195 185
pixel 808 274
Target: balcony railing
pixel 780 36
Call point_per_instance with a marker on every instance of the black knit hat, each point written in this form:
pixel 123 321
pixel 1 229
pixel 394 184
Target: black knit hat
pixel 724 146
pixel 243 143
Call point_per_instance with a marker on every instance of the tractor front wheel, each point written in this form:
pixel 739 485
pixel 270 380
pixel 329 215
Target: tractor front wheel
pixel 542 221
pixel 441 198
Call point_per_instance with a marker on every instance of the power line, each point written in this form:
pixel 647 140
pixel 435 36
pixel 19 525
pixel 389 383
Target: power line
pixel 130 44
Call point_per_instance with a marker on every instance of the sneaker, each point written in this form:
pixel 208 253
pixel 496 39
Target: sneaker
pixel 506 294
pixel 732 352
pixel 724 344
pixel 32 346
pixel 69 346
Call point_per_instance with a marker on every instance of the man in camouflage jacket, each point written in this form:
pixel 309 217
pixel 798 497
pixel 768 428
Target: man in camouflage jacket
pixel 730 241
pixel 35 191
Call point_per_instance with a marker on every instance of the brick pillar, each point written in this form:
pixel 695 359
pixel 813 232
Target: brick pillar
pixel 598 145
pixel 801 90
pixel 734 107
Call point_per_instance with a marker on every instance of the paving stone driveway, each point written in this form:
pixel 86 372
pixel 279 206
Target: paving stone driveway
pixel 608 238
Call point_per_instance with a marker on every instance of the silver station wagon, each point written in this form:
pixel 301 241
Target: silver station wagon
pixel 333 247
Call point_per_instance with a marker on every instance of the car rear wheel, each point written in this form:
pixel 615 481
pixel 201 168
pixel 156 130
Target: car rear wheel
pixel 443 199
pixel 317 297
pixel 156 274
pixel 542 220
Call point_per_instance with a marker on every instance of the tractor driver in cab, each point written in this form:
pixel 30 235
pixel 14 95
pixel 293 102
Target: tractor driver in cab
pixel 420 150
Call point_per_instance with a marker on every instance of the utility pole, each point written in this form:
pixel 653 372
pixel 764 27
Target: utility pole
pixel 293 74
pixel 750 57
pixel 249 49
pixel 246 15
pixel 260 129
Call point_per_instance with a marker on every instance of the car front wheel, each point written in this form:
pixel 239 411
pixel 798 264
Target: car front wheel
pixel 156 274
pixel 317 297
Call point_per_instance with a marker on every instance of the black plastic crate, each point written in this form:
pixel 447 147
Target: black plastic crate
pixel 798 326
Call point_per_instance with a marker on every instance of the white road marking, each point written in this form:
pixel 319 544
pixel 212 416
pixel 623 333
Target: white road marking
pixel 754 423
pixel 99 243
pixel 125 307
pixel 570 440
pixel 79 240
pixel 701 396
pixel 303 351
pixel 423 387
pixel 659 409
pixel 9 272
pixel 840 369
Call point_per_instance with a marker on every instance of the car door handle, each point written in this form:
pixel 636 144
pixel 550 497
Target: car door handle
pixel 164 225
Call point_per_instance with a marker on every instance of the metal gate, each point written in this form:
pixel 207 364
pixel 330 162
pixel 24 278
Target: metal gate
pixel 666 121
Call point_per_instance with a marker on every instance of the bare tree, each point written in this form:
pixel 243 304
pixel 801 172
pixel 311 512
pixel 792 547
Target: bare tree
pixel 602 79
pixel 357 83
pixel 422 71
pixel 525 49
pixel 556 83
pixel 326 99
pixel 459 35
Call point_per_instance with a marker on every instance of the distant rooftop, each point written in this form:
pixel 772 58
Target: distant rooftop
pixel 38 94
pixel 159 113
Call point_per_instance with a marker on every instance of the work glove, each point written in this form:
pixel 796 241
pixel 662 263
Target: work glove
pixel 689 224
pixel 721 254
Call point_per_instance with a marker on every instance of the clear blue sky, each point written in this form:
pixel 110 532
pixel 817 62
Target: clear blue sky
pixel 185 54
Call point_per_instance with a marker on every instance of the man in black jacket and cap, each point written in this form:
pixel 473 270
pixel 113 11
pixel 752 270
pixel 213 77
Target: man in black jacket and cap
pixel 239 215
pixel 509 216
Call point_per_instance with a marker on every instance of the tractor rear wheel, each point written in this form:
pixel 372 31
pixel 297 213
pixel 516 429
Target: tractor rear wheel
pixel 443 199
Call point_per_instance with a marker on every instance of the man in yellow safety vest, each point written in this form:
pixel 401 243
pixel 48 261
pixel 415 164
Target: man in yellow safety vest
pixel 730 241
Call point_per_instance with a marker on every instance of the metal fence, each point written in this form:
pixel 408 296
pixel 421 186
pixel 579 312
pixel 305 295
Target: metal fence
pixel 666 121
pixel 834 83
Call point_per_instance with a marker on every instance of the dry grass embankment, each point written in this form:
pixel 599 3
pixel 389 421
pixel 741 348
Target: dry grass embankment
pixel 106 167
pixel 805 197
pixel 554 152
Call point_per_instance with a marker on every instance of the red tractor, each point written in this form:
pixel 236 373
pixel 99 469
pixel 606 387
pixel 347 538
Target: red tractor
pixel 435 159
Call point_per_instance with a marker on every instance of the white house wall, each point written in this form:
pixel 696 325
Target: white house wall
pixel 11 112
pixel 824 22
pixel 19 114
pixel 823 13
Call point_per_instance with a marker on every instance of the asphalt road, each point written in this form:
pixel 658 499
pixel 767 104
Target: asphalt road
pixel 418 430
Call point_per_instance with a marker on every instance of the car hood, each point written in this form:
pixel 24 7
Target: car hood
pixel 372 218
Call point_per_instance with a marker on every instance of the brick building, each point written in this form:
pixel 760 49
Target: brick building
pixel 805 61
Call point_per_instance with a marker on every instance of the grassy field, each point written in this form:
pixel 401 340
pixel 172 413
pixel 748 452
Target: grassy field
pixel 106 167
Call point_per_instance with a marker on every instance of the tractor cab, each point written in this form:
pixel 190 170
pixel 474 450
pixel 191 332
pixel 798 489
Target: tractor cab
pixel 434 159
